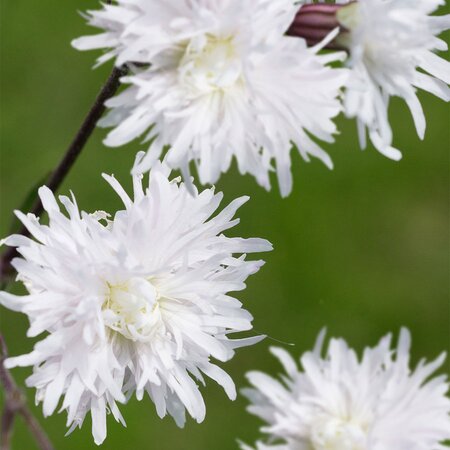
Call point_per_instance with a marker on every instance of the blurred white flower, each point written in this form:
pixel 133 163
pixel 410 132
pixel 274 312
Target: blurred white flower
pixel 213 80
pixel 392 48
pixel 339 402
pixel 134 304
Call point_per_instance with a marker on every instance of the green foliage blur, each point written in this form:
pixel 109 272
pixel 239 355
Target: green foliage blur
pixel 362 249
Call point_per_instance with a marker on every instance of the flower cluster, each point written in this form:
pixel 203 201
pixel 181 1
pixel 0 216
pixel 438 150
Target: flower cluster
pixel 339 402
pixel 139 303
pixel 133 305
pixel 215 81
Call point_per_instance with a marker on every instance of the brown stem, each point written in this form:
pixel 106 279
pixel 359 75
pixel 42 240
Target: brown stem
pixel 71 155
pixel 15 404
pixel 7 423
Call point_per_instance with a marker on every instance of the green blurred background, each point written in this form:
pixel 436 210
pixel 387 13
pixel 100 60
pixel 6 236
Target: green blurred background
pixel 362 249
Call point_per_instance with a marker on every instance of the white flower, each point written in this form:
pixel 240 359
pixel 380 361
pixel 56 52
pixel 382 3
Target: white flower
pixel 339 402
pixel 392 47
pixel 213 80
pixel 137 304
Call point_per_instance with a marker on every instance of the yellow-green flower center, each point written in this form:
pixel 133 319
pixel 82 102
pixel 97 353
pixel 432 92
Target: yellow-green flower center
pixel 209 64
pixel 330 433
pixel 130 309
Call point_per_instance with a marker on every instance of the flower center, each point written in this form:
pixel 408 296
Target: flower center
pixel 131 309
pixel 210 64
pixel 338 434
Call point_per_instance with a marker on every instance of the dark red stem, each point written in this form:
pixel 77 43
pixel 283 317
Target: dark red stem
pixel 15 404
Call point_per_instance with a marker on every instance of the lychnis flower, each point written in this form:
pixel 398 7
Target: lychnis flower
pixel 216 80
pixel 133 305
pixel 341 402
pixel 392 47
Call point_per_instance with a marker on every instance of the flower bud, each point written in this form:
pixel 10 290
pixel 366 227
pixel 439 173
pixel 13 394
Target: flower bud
pixel 314 22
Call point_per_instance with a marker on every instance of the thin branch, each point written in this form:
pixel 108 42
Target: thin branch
pixel 71 155
pixel 15 404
